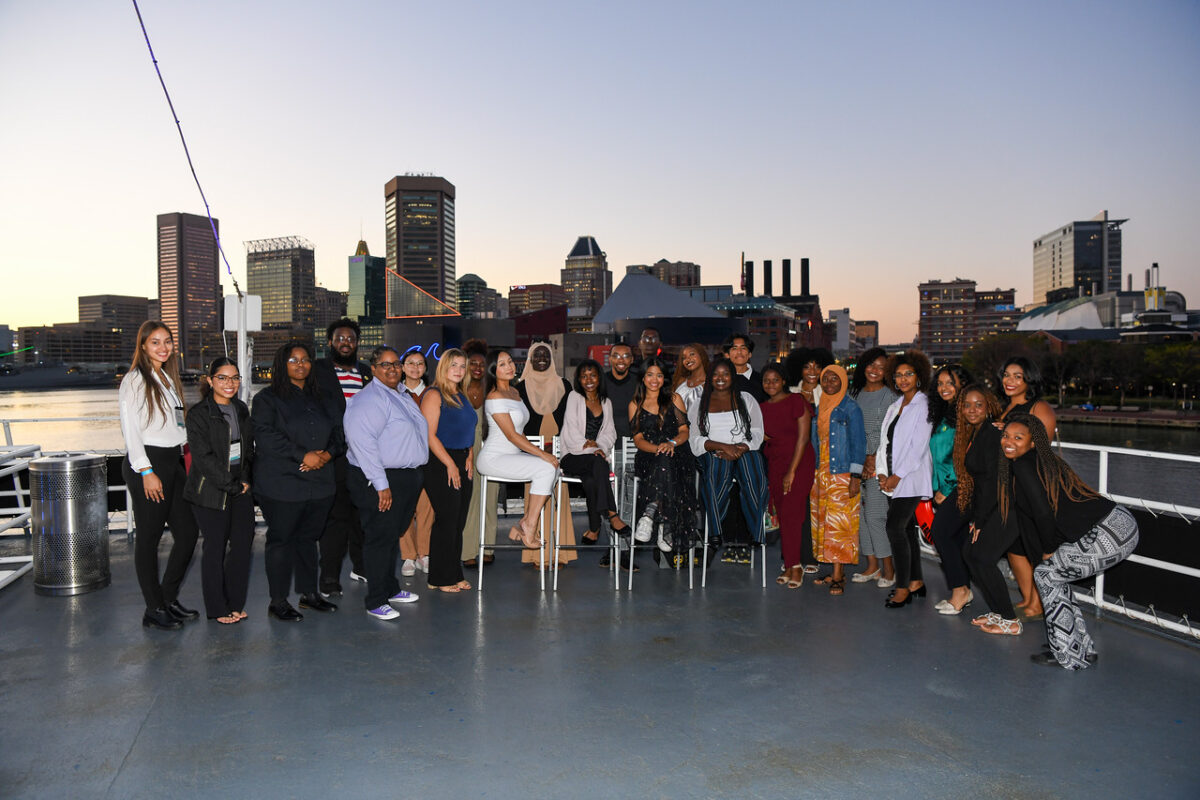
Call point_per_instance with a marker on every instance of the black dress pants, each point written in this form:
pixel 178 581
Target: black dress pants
pixel 149 518
pixel 983 556
pixel 293 528
pixel 950 533
pixel 901 528
pixel 343 533
pixel 382 529
pixel 450 507
pixel 592 472
pixel 225 560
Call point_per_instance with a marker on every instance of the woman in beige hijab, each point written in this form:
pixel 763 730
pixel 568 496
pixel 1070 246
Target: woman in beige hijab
pixel 545 392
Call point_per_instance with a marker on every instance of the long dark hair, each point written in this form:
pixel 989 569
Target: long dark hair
pixel 739 405
pixel 1035 385
pixel 1056 476
pixel 665 395
pixel 859 381
pixel 155 398
pixel 682 373
pixel 490 381
pixel 591 363
pixel 939 409
pixel 280 383
pixel 216 364
pixel 964 434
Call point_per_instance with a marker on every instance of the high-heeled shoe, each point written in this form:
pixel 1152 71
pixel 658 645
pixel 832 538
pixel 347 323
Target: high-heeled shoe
pixel 890 603
pixel 918 592
pixel 613 519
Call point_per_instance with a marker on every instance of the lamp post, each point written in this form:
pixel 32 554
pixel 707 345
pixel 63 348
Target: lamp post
pixel 1150 395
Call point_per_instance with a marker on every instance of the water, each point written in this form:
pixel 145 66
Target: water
pixel 1154 480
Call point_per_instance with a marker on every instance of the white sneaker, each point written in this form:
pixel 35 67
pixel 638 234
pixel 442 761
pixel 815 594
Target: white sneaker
pixel 383 613
pixel 409 568
pixel 644 530
pixel 404 597
pixel 663 544
pixel 354 576
pixel 423 564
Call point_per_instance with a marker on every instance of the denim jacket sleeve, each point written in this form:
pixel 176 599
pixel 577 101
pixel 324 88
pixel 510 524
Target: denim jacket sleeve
pixel 857 435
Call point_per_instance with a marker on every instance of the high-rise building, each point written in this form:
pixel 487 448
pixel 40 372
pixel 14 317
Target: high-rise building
pixel 954 317
pixel 1081 258
pixel 525 298
pixel 419 221
pixel 477 300
pixel 188 290
pixel 329 306
pixel 845 333
pixel 366 300
pixel 866 332
pixel 587 281
pixel 283 272
pixel 679 274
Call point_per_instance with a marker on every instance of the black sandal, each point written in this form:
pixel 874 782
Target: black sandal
pixel 621 531
pixel 584 540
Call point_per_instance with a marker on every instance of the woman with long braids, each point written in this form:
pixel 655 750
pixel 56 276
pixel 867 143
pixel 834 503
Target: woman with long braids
pixel 1074 530
pixel 951 529
pixel 1022 385
pixel 218 487
pixel 726 435
pixel 664 467
pixel 153 425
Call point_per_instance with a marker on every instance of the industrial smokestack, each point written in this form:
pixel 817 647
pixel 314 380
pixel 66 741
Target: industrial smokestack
pixel 787 277
pixel 749 287
pixel 1147 279
pixel 1129 282
pixel 767 287
pixel 804 277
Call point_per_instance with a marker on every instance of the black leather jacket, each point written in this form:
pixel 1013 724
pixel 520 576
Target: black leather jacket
pixel 210 481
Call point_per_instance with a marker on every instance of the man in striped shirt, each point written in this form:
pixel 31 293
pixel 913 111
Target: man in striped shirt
pixel 340 376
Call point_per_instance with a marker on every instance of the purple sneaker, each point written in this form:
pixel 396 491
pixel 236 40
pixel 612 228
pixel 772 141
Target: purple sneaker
pixel 403 597
pixel 383 613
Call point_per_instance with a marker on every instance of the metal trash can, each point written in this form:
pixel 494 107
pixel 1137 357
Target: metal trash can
pixel 69 519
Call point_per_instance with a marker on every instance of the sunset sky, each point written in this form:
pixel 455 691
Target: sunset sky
pixel 890 143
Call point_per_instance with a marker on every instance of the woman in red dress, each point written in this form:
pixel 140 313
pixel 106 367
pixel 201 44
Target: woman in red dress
pixel 787 418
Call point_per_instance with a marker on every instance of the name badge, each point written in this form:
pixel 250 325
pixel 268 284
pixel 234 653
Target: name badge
pixel 179 416
pixel 235 452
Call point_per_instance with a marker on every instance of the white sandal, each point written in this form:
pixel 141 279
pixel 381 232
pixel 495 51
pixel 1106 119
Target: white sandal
pixel 864 577
pixel 1003 627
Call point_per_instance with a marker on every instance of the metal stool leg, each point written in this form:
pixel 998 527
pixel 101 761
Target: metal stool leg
pixel 482 524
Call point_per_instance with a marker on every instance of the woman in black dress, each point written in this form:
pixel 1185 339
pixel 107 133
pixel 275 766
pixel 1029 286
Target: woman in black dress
pixel 665 468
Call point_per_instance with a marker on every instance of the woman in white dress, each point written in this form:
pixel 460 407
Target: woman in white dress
pixel 506 454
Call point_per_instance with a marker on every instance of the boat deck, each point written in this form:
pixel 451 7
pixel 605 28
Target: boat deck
pixel 728 691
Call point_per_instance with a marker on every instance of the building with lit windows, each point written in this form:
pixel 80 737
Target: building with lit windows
pixel 189 292
pixel 366 298
pixel 419 225
pixel 534 297
pixel 587 282
pixel 1079 259
pixel 955 316
pixel 678 274
pixel 283 272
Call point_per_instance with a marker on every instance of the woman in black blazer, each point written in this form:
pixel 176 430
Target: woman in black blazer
pixel 296 437
pixel 218 487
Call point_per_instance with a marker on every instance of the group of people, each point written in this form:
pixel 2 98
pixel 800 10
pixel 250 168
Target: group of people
pixel 374 461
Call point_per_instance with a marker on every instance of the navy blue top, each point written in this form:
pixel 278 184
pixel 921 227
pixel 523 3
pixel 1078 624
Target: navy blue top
pixel 456 426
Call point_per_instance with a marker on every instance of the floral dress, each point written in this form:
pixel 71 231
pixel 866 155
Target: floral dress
pixel 669 481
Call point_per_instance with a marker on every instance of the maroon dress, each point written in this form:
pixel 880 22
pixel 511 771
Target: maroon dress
pixel 781 425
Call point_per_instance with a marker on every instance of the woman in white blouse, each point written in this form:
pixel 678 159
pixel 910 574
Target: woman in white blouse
pixel 506 454
pixel 152 422
pixel 588 436
pixel 727 436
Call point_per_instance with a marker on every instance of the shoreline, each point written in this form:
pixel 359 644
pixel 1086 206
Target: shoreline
pixel 1132 419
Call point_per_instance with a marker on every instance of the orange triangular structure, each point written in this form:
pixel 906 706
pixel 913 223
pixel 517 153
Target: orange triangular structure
pixel 406 299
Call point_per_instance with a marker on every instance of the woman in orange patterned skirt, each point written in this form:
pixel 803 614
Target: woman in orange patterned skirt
pixel 840 442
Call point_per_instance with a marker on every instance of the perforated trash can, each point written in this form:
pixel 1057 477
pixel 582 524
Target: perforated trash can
pixel 70 523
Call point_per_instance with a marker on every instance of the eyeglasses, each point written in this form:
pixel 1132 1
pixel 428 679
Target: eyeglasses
pixel 342 339
pixel 649 338
pixel 906 374
pixel 388 365
pixel 298 361
pixel 227 378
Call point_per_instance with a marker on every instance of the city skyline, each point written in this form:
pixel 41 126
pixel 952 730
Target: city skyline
pixel 889 145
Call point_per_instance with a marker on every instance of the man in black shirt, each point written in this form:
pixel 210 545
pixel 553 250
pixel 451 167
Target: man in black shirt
pixel 738 348
pixel 340 376
pixel 621 381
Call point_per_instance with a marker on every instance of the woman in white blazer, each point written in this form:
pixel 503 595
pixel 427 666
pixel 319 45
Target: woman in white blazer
pixel 905 470
pixel 587 437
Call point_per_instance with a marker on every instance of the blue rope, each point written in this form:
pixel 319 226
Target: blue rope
pixel 208 211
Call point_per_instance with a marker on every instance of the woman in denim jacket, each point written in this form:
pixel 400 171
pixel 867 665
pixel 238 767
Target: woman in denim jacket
pixel 840 442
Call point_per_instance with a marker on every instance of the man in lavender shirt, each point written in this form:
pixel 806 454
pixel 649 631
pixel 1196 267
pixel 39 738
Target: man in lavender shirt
pixel 388 441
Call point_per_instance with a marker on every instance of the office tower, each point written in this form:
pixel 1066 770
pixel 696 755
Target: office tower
pixel 366 300
pixel 188 291
pixel 954 317
pixel 679 274
pixel 1080 258
pixel 586 279
pixel 419 220
pixel 329 307
pixel 283 272
pixel 845 333
pixel 468 286
pixel 535 297
pixel 114 310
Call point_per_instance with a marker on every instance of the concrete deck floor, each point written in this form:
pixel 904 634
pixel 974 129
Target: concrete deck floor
pixel 730 691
